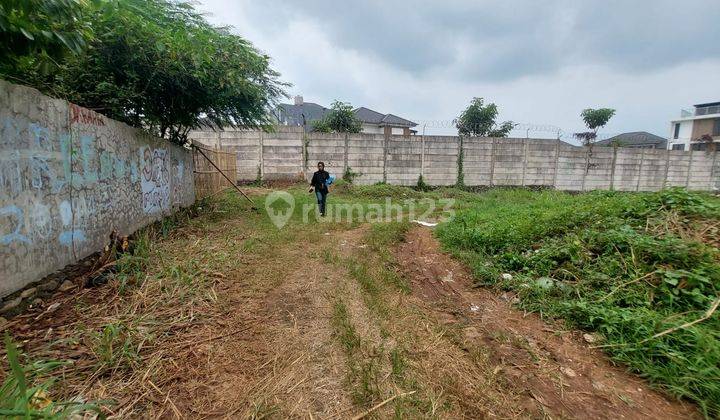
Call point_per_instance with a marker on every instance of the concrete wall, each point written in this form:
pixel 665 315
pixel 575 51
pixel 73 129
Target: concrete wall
pixel 485 161
pixel 69 177
pixel 277 155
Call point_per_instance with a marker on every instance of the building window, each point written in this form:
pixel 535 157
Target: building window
pixel 676 134
pixel 716 128
pixel 678 147
pixel 699 146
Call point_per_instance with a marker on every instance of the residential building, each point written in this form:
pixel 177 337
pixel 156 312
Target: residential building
pixel 635 139
pixel 301 113
pixel 378 123
pixel 695 128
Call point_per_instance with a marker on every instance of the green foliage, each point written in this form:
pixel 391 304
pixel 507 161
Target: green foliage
pixel 159 65
pixel 349 175
pixel 460 181
pixel 594 119
pixel 478 120
pixel 340 119
pixel 621 265
pixel 115 347
pixel 39 33
pixel 131 265
pixel 21 398
pixel 422 185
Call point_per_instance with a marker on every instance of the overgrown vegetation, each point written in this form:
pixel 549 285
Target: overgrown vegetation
pixel 642 271
pixel 422 185
pixel 349 175
pixel 25 392
pixel 154 64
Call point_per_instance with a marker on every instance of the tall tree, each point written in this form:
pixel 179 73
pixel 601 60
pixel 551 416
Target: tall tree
pixel 38 34
pixel 340 119
pixel 594 119
pixel 159 65
pixel 478 120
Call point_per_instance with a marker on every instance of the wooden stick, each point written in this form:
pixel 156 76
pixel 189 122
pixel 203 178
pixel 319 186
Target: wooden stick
pixel 707 315
pixel 199 149
pixel 626 283
pixel 362 415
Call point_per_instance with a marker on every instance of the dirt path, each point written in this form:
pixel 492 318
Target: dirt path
pixel 284 364
pixel 324 321
pixel 553 371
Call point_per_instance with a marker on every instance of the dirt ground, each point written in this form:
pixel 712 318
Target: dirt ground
pixel 554 372
pixel 322 327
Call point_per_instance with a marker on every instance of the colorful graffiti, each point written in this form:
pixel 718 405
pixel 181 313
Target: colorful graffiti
pixel 155 181
pixel 43 165
pixel 69 178
pixel 80 115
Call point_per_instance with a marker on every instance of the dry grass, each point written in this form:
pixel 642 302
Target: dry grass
pixel 399 351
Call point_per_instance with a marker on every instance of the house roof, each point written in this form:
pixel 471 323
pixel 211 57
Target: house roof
pixel 635 138
pixel 707 104
pixel 369 116
pixel 301 114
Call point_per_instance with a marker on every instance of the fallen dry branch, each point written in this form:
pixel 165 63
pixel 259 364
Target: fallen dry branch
pixel 707 315
pixel 377 407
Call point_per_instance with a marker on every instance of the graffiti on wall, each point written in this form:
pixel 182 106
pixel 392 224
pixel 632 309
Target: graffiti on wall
pixel 155 181
pixel 80 115
pixel 56 185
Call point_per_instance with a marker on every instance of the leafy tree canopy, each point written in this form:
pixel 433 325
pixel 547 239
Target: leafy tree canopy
pixel 38 33
pixel 478 120
pixel 340 119
pixel 159 65
pixel 594 119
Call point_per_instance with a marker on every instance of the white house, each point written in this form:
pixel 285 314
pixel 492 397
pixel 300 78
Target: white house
pixel 688 131
pixel 374 122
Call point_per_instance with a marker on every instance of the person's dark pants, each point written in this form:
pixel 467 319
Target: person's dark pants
pixel 321 198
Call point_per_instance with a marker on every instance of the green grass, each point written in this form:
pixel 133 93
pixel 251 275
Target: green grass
pixel 344 329
pixel 24 393
pixel 624 265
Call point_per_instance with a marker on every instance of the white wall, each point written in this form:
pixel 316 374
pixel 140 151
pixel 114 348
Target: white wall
pixel 684 135
pixel 372 129
pixel 376 129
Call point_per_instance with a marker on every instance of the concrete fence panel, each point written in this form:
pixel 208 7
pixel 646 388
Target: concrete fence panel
pixel 366 157
pixel 441 160
pixel 541 162
pixel 571 167
pixel 326 148
pixel 404 160
pixel 508 161
pixel 598 172
pixel 485 161
pixel 477 161
pixel 69 177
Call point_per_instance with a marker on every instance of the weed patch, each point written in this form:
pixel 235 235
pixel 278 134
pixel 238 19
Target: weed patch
pixel 25 391
pixel 634 268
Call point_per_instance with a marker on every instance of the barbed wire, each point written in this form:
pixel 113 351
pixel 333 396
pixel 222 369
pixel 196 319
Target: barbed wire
pixel 529 130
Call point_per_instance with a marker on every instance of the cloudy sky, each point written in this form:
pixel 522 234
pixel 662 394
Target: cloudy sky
pixel 541 62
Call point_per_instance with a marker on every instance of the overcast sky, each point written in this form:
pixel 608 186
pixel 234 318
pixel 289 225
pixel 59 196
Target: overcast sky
pixel 541 62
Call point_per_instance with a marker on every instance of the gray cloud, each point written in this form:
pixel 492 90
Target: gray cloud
pixel 500 40
pixel 541 62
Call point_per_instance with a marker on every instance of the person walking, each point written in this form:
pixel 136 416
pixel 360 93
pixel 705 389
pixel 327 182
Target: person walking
pixel 319 183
